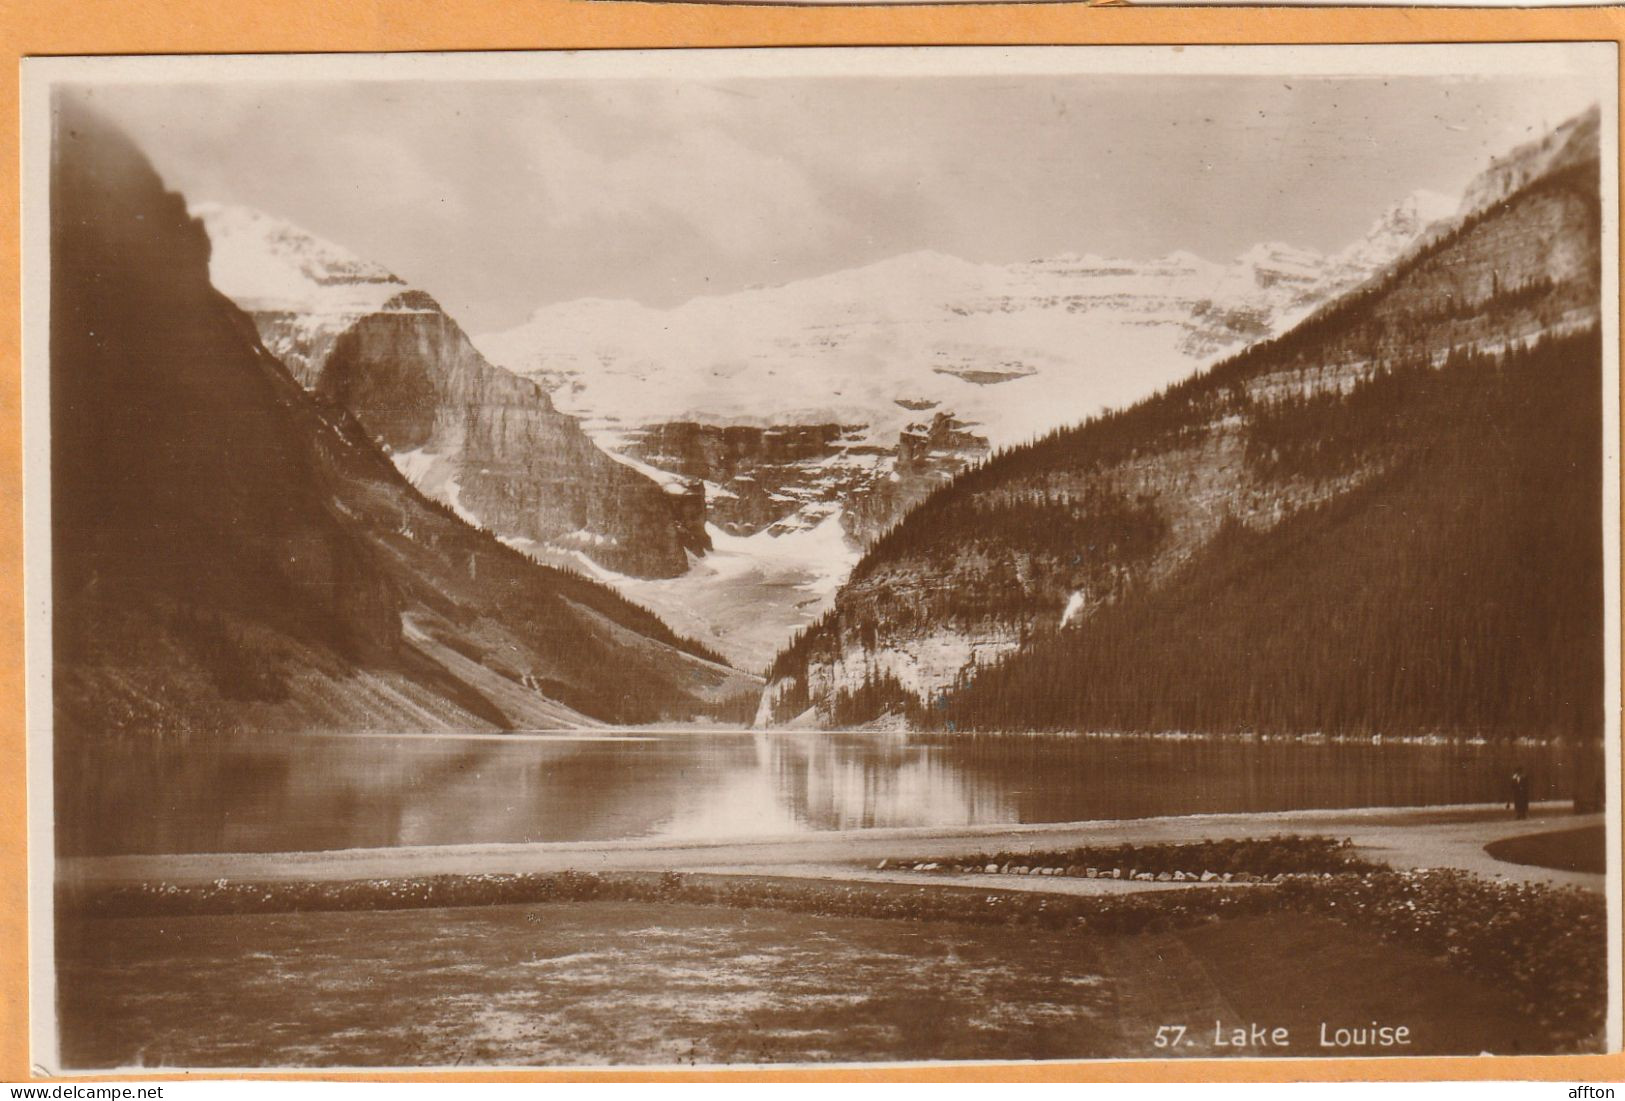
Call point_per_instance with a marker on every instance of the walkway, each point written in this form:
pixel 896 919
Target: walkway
pixel 1404 838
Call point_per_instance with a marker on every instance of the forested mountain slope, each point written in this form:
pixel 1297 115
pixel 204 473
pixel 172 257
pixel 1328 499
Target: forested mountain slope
pixel 232 554
pixel 1377 501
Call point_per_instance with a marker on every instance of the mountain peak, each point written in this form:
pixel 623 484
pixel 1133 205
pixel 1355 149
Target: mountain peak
pixel 1400 226
pixel 1411 215
pixel 1571 142
pixel 262 260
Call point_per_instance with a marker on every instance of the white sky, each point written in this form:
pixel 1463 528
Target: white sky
pixel 499 195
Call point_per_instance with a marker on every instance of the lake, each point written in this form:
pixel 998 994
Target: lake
pixel 349 791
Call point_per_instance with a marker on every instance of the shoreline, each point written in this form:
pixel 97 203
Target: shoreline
pixel 943 737
pixel 1450 836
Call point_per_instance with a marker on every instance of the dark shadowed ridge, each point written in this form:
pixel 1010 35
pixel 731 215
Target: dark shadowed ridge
pixel 232 554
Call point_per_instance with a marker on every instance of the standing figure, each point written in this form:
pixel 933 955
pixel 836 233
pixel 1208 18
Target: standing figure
pixel 1520 792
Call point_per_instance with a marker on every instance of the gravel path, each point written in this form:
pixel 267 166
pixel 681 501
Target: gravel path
pixel 1402 837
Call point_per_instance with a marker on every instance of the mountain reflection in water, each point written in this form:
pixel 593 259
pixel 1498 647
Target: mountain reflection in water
pixel 335 792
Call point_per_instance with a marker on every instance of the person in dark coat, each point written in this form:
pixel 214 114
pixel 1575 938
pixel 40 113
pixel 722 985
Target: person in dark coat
pixel 1520 792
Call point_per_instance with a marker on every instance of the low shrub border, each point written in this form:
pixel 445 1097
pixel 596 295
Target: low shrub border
pixel 1546 945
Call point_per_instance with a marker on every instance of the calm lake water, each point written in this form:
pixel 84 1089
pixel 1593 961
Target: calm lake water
pixel 350 791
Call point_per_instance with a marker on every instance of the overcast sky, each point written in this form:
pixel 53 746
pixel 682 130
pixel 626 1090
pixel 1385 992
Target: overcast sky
pixel 499 197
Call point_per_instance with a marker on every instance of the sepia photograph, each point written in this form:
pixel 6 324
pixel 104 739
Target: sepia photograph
pixel 837 556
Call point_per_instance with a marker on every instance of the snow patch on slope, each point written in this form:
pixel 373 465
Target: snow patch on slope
pixel 1074 605
pixel 749 594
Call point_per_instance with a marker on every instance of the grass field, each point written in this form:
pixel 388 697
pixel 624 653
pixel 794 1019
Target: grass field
pixel 613 982
pixel 1581 850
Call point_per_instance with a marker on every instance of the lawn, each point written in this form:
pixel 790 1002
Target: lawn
pixel 1579 850
pixel 618 982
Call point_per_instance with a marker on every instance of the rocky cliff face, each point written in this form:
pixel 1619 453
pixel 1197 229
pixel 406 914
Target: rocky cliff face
pixel 491 445
pixel 233 552
pixel 1046 537
pixel 791 478
pixel 930 454
pixel 488 444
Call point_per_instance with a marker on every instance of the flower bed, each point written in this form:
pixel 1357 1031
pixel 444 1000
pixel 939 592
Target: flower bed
pixel 1244 859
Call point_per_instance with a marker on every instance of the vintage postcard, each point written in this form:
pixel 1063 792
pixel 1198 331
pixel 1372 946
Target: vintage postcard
pixel 758 558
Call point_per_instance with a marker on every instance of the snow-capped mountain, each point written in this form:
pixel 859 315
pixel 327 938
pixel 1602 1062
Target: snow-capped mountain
pixel 829 404
pixel 1400 228
pixel 1294 488
pixel 303 291
pixel 479 439
pixel 1012 350
pixel 238 556
pixel 859 392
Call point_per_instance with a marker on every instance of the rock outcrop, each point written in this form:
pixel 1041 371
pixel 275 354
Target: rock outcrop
pixel 792 477
pixel 471 435
pixel 491 445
